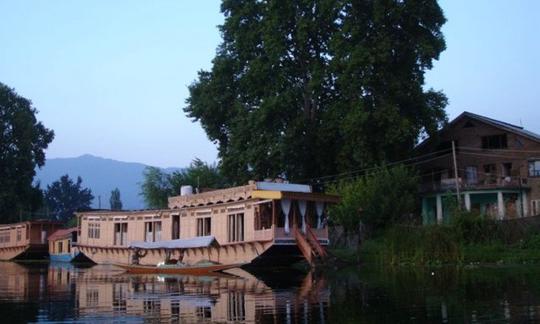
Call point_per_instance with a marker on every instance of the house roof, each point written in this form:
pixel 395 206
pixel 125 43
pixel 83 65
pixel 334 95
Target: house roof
pixel 500 124
pixel 519 130
pixel 62 233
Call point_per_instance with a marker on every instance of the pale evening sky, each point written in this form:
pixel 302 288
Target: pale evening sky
pixel 111 77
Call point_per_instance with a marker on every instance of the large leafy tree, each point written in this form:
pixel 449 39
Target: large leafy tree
pixel 23 140
pixel 302 88
pixel 158 185
pixel 64 197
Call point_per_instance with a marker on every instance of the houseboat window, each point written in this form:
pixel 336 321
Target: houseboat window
pixel 175 227
pixel 60 247
pixel 203 312
pixel 152 231
pixel 5 236
pixel 68 247
pixel 494 142
pixel 236 310
pixel 120 233
pixel 94 230
pixel 534 168
pixel 263 217
pixel 204 226
pixel 19 235
pixel 236 227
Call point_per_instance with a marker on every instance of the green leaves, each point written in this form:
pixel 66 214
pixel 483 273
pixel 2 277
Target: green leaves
pixel 379 199
pixel 305 88
pixel 22 143
pixel 158 185
pixel 64 197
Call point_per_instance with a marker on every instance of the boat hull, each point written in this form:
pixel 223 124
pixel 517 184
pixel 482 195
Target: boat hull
pixel 192 270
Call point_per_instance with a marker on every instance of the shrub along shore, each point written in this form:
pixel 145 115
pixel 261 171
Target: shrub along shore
pixel 469 240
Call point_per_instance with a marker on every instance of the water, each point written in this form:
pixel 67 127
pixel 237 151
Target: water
pixel 65 293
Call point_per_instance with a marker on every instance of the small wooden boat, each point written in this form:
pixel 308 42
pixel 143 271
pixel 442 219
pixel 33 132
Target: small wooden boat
pixel 200 268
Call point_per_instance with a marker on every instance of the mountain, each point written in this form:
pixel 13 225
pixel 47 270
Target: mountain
pixel 101 175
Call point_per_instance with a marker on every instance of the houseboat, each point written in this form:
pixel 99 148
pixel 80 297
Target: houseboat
pixel 62 246
pixel 26 240
pixel 262 222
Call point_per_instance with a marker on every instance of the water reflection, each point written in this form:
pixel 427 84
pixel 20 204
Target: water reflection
pixel 62 292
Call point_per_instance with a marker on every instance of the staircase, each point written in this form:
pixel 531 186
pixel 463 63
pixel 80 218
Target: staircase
pixel 309 245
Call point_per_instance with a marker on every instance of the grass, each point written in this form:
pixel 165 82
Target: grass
pixel 469 240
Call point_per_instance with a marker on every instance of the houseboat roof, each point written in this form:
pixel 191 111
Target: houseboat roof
pixel 260 189
pixel 191 243
pixel 62 233
pixel 33 222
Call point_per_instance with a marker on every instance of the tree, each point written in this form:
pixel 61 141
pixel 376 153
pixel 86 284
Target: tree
pixel 115 201
pixel 304 88
pixel 157 185
pixel 22 143
pixel 64 197
pixel 379 199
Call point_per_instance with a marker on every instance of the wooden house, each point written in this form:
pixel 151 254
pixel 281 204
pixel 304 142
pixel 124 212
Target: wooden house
pixel 496 169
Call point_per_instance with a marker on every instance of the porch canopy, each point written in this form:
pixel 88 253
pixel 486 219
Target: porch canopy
pixel 196 242
pixel 306 196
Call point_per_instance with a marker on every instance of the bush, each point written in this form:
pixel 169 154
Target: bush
pixel 382 198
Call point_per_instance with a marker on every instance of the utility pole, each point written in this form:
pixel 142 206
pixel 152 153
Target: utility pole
pixel 456 174
pixel 99 201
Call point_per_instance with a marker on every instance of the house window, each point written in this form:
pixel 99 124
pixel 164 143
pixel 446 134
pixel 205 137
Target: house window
pixel 94 230
pixel 19 235
pixel 152 231
pixel 534 168
pixel 506 169
pixel 535 210
pixel 471 174
pixel 494 142
pixel 236 227
pixel 204 226
pixel 60 247
pixel 120 233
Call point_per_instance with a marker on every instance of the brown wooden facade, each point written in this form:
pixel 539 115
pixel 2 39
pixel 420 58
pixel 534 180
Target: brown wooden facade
pixel 498 169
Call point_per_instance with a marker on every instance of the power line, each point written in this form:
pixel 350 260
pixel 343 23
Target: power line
pixel 378 167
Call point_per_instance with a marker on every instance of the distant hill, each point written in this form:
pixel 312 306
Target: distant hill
pixel 101 175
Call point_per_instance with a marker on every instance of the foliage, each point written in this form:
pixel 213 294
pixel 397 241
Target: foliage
pixel 63 197
pixel 115 201
pixel 157 185
pixel 23 140
pixel 379 199
pixel 303 88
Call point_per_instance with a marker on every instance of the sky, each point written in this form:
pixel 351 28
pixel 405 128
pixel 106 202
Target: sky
pixel 110 77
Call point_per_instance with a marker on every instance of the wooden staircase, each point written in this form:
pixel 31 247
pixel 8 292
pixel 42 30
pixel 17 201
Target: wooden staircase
pixel 309 245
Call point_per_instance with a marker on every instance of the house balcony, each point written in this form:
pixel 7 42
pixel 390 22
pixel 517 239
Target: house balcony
pixel 486 183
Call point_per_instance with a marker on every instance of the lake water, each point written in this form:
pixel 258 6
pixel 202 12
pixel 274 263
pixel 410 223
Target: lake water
pixel 59 292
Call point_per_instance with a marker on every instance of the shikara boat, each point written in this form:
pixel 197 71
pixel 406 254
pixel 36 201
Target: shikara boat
pixel 196 269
